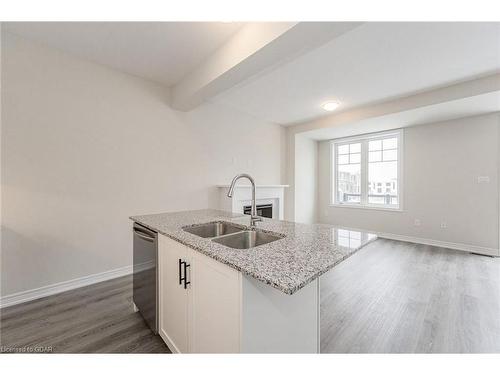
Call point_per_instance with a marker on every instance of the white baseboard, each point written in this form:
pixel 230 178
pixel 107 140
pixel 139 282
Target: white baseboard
pixel 450 245
pixel 48 290
pixel 426 241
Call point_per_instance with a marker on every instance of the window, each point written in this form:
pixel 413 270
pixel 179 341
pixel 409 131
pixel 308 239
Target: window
pixel 349 172
pixel 367 171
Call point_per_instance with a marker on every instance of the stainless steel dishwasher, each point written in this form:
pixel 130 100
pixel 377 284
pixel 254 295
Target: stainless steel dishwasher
pixel 145 294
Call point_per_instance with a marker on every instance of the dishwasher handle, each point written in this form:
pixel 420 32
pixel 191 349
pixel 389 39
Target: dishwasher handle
pixel 144 237
pixel 144 234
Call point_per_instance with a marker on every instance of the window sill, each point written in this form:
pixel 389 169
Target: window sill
pixel 359 207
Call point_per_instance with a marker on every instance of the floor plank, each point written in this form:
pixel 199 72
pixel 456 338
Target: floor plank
pixel 95 319
pixel 398 297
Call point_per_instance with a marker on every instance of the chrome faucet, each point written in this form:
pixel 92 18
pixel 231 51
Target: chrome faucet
pixel 253 213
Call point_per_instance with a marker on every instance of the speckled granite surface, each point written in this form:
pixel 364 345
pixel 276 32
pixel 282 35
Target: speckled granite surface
pixel 288 264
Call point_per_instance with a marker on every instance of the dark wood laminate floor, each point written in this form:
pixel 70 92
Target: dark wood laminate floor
pixel 399 297
pixel 390 297
pixel 95 319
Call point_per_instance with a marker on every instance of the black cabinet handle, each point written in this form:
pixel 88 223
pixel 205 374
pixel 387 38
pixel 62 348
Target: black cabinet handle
pixel 180 272
pixel 186 283
pixel 183 278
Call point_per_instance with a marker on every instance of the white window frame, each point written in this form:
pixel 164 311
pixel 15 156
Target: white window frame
pixel 364 139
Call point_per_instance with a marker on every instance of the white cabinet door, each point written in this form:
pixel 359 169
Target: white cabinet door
pixel 215 299
pixel 172 295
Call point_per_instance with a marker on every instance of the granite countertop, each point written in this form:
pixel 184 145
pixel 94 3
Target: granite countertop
pixel 306 252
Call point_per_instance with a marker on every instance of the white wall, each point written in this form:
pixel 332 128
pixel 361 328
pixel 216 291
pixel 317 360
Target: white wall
pixel 1 154
pixel 84 147
pixel 306 180
pixel 441 164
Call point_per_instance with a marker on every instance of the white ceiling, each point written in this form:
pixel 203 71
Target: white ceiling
pixel 449 110
pixel 372 63
pixel 159 51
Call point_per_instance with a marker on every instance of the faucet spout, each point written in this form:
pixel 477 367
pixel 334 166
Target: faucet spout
pixel 253 213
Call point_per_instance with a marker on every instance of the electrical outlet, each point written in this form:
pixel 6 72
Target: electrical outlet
pixel 444 225
pixel 483 180
pixel 417 222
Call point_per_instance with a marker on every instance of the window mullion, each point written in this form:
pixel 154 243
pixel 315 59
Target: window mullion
pixel 364 172
pixel 335 174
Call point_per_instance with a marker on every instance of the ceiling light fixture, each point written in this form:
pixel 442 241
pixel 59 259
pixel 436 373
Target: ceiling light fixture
pixel 330 106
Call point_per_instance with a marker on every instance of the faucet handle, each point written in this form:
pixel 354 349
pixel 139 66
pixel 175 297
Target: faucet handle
pixel 254 219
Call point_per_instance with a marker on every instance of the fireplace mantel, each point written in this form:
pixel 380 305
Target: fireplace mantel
pixel 265 194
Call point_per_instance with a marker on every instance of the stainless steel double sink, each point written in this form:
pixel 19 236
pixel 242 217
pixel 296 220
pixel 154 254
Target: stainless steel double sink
pixel 232 235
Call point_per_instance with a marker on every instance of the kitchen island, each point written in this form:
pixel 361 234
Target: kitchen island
pixel 215 298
